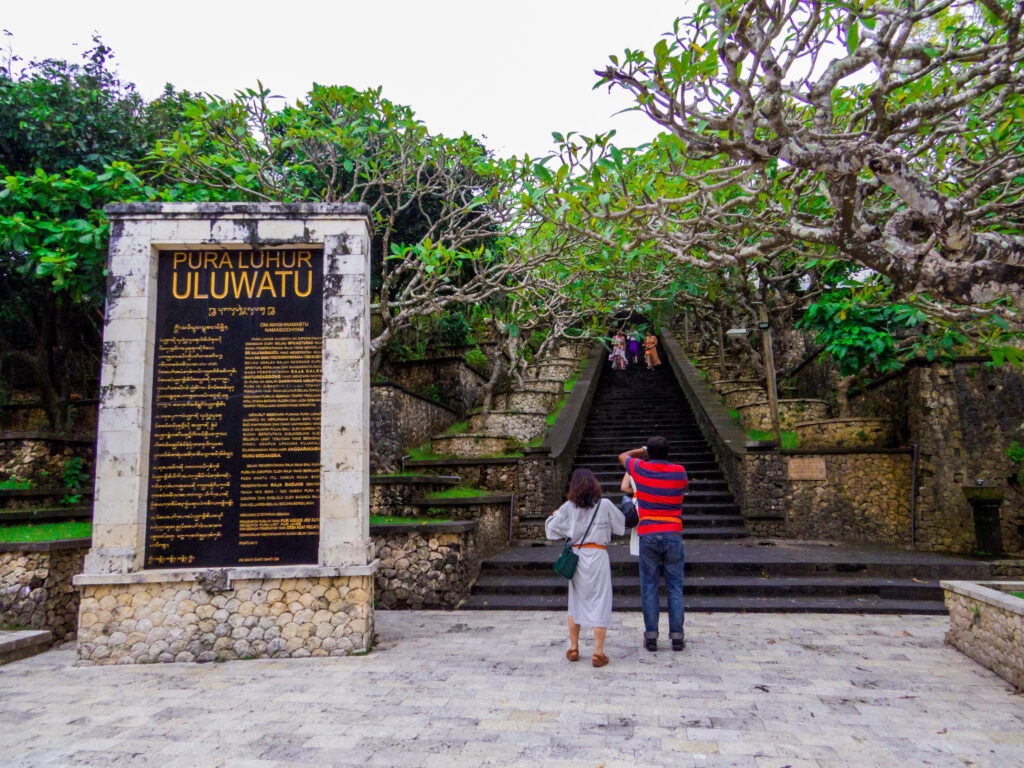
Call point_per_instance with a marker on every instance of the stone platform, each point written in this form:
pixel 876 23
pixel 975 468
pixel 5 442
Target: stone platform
pixel 454 689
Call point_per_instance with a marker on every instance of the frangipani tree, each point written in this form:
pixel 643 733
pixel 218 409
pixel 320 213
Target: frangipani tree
pixel 439 205
pixel 888 134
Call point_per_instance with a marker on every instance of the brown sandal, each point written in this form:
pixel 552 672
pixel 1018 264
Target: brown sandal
pixel 599 660
pixel 572 654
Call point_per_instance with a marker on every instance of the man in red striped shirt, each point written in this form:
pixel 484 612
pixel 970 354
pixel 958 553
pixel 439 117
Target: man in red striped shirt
pixel 660 486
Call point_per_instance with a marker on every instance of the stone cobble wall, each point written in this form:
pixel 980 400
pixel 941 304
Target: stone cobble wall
pixel 864 498
pixel 492 521
pixel 36 590
pixel 989 634
pixel 457 384
pixel 963 417
pixel 425 570
pixel 400 420
pixel 252 618
pixel 42 460
pixel 762 483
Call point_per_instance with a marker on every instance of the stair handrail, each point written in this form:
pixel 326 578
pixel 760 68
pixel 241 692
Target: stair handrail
pixel 715 421
pixel 565 433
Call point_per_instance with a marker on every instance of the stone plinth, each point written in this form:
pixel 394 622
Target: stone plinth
pixel 986 623
pixel 225 614
pixel 307 582
pixel 35 585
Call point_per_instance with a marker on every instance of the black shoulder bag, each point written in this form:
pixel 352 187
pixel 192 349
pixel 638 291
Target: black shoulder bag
pixel 565 565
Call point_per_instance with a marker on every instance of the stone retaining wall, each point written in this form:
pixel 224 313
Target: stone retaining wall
pixel 425 566
pixel 846 433
pixel 963 417
pixel 152 620
pixel 467 445
pixel 489 513
pixel 524 427
pixel 535 400
pixel 758 416
pixel 987 624
pixel 40 457
pixel 35 586
pixel 862 497
pixel 394 496
pixel 400 420
pixel 458 384
pixel 498 474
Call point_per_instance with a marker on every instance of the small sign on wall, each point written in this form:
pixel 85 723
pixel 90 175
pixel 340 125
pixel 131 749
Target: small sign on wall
pixel 807 468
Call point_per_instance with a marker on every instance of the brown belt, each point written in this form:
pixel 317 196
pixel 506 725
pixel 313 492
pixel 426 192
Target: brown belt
pixel 592 546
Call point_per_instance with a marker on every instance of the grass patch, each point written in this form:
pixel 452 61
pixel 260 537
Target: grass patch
pixel 460 492
pixel 46 531
pixel 1018 594
pixel 570 385
pixel 387 520
pixel 734 413
pixel 457 429
pixel 789 439
pixel 13 483
pixel 425 453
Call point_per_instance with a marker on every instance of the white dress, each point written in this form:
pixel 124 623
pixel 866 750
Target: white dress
pixel 590 590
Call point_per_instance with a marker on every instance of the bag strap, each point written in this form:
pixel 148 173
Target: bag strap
pixel 592 518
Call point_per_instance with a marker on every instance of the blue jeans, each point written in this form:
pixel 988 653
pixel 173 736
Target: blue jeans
pixel 662 553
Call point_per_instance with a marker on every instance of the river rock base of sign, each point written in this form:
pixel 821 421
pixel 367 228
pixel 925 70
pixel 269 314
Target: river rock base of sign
pixel 209 620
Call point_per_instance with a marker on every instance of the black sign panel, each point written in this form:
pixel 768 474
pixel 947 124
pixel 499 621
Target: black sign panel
pixel 235 446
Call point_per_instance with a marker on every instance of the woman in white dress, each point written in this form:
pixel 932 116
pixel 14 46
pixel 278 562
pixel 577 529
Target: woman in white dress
pixel 590 590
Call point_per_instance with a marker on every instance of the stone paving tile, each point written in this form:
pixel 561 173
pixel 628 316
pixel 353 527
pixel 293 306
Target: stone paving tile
pixel 449 689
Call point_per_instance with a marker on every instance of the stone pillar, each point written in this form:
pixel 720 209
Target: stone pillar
pixel 320 606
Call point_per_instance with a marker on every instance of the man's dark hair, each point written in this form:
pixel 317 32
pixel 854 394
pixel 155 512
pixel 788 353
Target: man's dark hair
pixel 657 448
pixel 584 489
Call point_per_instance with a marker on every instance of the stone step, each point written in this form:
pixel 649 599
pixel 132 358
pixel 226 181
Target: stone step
pixel 720 604
pixel 762 558
pixel 835 586
pixel 22 643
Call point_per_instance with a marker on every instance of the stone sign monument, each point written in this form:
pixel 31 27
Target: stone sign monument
pixel 231 515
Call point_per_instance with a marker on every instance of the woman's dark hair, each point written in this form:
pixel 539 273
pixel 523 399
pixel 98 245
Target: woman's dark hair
pixel 584 490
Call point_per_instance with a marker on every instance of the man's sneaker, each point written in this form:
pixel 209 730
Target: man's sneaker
pixel 678 644
pixel 651 643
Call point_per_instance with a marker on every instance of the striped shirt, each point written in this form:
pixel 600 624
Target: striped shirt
pixel 659 495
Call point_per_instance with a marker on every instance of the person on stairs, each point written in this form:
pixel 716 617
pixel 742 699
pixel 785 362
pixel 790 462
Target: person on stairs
pixel 589 521
pixel 660 486
pixel 618 355
pixel 651 351
pixel 634 347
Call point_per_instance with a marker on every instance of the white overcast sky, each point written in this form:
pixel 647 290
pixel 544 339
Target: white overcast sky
pixel 511 72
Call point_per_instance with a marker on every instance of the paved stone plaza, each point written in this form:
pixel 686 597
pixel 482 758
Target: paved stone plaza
pixel 455 688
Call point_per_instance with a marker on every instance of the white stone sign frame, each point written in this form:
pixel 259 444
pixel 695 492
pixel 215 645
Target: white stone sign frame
pixel 138 232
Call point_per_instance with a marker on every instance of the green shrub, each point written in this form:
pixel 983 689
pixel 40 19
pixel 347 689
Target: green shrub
pixel 453 330
pixel 476 358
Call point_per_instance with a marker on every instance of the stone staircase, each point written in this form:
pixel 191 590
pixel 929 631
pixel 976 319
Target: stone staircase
pixel 725 569
pixel 632 405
